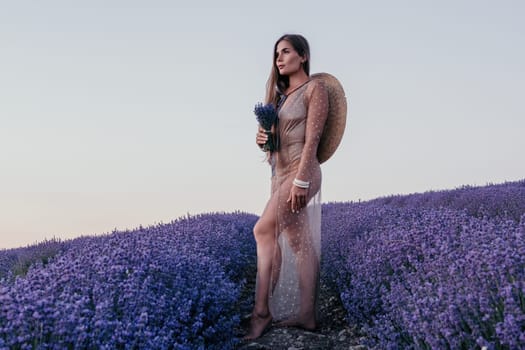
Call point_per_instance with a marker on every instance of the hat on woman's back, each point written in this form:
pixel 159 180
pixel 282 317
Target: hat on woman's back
pixel 336 121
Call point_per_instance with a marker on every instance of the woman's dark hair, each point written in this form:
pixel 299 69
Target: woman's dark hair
pixel 277 83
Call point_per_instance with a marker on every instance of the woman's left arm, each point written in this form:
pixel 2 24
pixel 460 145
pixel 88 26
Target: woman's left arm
pixel 315 121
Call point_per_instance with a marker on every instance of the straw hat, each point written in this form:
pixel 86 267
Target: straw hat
pixel 336 121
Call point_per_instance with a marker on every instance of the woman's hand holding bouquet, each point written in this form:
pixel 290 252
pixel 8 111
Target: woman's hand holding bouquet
pixel 266 116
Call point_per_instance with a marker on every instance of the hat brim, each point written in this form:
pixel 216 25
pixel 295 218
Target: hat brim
pixel 336 121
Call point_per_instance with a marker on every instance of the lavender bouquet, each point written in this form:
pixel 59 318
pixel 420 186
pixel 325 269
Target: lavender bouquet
pixel 266 116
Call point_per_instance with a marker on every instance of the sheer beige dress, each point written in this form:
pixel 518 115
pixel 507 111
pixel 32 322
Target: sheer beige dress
pixel 295 266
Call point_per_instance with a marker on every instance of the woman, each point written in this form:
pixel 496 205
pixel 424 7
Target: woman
pixel 288 232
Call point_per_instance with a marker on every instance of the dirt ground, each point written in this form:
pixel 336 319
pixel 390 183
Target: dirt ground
pixel 333 332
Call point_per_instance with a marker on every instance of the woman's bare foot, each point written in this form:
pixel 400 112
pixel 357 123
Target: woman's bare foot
pixel 258 325
pixel 308 325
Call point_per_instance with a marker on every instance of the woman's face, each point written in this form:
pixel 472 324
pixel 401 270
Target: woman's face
pixel 287 59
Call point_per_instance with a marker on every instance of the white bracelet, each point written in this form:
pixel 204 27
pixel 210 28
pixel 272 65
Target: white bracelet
pixel 301 184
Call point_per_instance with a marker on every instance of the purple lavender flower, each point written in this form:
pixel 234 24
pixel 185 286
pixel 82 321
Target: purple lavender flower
pixel 443 269
pixel 437 270
pixel 266 116
pixel 165 286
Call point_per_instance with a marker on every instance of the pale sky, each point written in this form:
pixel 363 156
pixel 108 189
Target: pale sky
pixel 116 114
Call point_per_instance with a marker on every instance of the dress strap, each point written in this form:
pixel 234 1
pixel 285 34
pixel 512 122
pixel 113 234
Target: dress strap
pixel 282 98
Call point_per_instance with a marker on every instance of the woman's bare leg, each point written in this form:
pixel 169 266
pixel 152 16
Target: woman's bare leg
pixel 267 272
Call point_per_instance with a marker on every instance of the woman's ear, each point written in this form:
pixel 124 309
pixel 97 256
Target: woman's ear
pixel 304 58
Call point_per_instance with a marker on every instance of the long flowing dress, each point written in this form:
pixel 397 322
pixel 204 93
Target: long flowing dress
pixel 295 266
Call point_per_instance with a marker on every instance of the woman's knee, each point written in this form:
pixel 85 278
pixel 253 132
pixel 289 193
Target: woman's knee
pixel 263 230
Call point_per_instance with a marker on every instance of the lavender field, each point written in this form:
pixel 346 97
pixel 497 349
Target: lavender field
pixel 437 270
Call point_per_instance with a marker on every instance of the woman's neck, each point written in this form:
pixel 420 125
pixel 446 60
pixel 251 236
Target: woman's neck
pixel 296 79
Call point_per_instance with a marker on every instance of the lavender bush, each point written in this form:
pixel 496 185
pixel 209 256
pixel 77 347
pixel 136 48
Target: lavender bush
pixel 501 200
pixel 14 262
pixel 420 272
pixel 170 286
pixel 438 270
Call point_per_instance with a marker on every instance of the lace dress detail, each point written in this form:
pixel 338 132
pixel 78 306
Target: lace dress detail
pixel 295 266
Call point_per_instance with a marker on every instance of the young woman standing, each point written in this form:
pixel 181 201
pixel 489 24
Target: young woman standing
pixel 288 232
